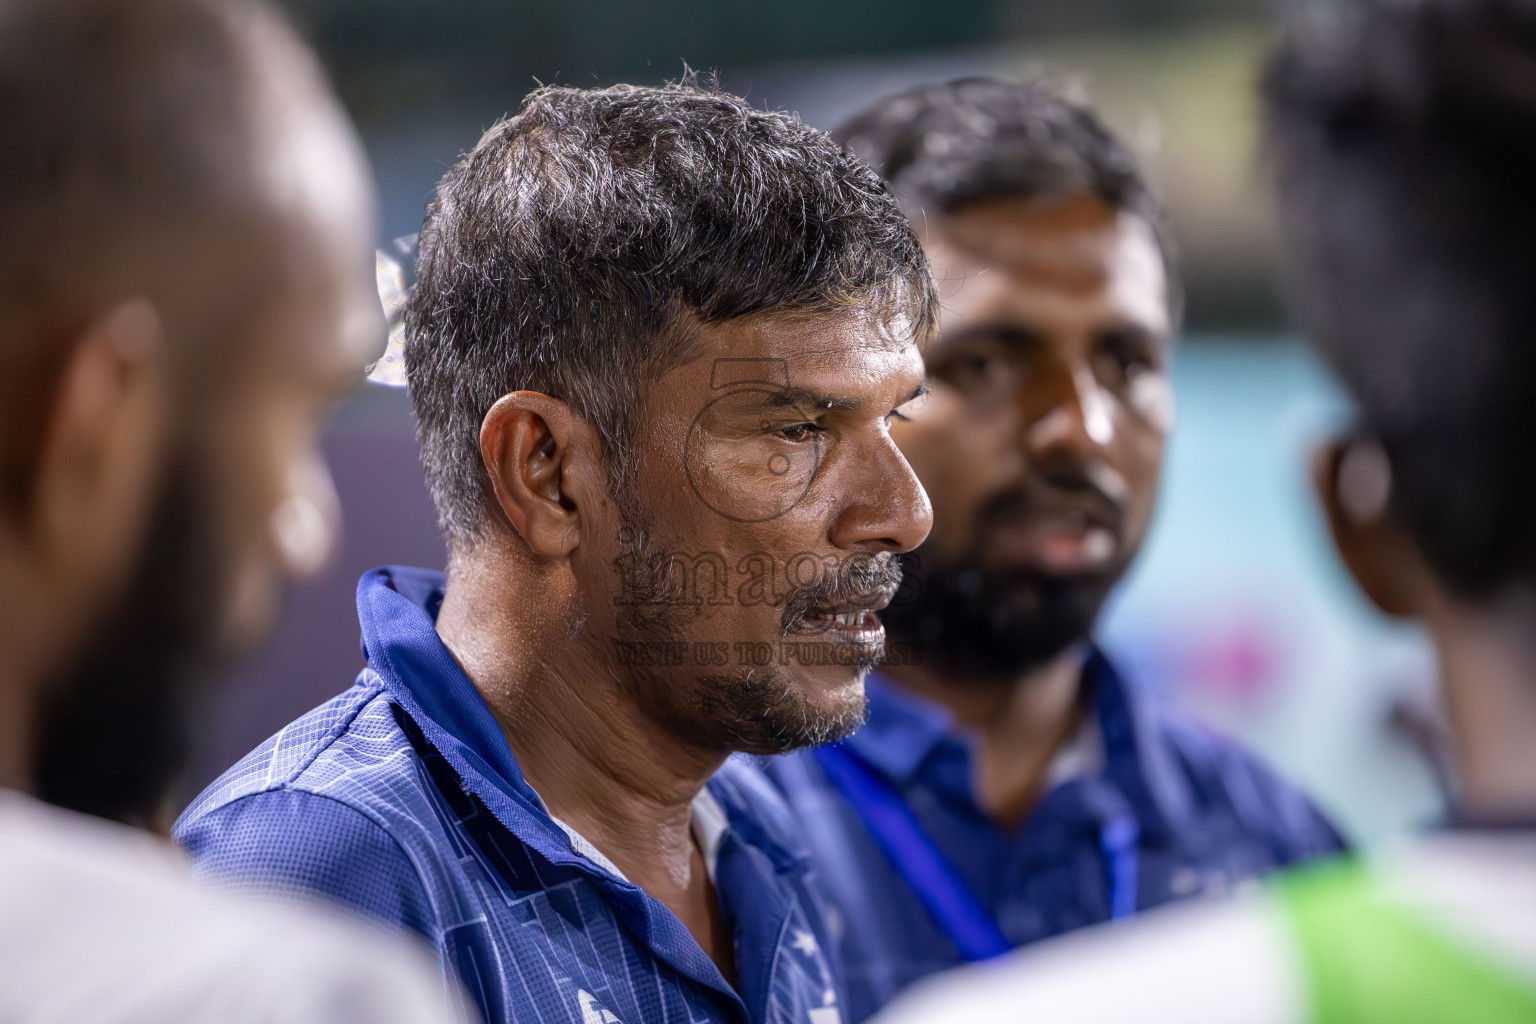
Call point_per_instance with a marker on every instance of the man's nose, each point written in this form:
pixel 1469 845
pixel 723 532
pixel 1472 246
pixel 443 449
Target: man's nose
pixel 887 508
pixel 1067 412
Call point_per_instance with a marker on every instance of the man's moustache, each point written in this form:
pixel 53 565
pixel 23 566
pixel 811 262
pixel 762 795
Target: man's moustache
pixel 860 582
pixel 1053 492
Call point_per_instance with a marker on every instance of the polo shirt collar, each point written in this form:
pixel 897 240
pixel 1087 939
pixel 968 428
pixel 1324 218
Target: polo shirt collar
pixel 397 610
pixel 903 730
pixel 1138 759
pixel 900 730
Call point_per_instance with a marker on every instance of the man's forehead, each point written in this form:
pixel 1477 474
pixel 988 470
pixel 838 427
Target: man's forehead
pixel 992 256
pixel 809 340
pixel 852 361
pixel 1075 235
pixel 321 198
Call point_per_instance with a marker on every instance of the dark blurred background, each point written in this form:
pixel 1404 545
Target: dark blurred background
pixel 423 79
pixel 1236 610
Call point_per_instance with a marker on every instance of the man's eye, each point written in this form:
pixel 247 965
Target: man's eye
pixel 798 431
pixel 1124 355
pixel 971 372
pixel 975 368
pixel 1126 364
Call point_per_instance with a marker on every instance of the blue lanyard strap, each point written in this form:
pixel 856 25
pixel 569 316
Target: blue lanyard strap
pixel 1120 839
pixel 949 902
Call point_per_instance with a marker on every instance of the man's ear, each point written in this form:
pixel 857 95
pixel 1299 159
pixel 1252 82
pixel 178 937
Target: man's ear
pixel 99 466
pixel 1353 483
pixel 543 461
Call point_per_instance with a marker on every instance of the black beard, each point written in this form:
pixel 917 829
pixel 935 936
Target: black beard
pixel 756 709
pixel 994 626
pixel 115 729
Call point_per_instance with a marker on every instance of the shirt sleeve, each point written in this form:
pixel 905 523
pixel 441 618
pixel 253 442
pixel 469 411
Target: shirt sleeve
pixel 295 843
pixel 1268 806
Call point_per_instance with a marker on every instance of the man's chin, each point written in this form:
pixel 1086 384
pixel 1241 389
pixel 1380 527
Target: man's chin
pixel 837 711
pixel 812 731
pixel 119 722
pixel 773 711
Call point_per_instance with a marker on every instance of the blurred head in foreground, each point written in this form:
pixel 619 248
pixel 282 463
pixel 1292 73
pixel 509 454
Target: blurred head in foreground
pixel 655 344
pixel 1042 439
pixel 1405 139
pixel 185 282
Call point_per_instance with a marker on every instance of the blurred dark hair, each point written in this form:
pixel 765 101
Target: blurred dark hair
pixel 573 248
pixel 943 146
pixel 1405 139
pixel 126 132
pixel 130 136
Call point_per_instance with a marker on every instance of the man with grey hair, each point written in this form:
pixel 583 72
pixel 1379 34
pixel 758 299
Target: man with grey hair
pixel 655 347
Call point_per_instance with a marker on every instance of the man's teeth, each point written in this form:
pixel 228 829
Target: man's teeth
pixel 1098 544
pixel 846 618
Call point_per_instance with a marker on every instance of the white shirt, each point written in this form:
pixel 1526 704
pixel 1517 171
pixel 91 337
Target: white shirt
pixel 707 823
pixel 102 923
pixel 1231 961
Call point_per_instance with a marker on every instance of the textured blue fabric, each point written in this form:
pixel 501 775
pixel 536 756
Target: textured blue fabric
pixel 912 852
pixel 401 799
pixel 1207 817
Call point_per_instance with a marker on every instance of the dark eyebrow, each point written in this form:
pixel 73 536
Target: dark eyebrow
pixel 1010 335
pixel 799 398
pixel 1136 334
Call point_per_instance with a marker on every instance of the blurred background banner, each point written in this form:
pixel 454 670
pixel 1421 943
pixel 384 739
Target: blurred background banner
pixel 1236 609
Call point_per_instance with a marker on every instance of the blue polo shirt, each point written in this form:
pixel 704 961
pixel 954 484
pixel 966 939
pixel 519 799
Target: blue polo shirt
pixel 1156 808
pixel 401 799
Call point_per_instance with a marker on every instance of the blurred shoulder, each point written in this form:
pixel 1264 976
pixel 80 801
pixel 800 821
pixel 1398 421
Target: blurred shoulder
pixel 103 923
pixel 1227 962
pixel 1229 778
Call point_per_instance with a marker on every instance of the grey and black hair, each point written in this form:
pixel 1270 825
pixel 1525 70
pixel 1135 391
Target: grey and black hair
pixel 945 145
pixel 574 248
pixel 1404 136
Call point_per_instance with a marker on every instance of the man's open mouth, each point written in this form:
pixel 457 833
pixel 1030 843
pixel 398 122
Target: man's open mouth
pixel 843 622
pixel 848 612
pixel 853 621
pixel 1061 537
pixel 1069 542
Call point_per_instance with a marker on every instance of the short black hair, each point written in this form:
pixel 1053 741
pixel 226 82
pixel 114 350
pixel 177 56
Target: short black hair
pixel 1404 136
pixel 945 145
pixel 572 248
